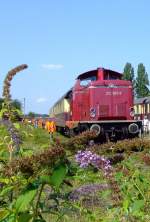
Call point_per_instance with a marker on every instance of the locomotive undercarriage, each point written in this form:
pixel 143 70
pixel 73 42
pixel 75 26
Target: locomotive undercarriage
pixel 109 130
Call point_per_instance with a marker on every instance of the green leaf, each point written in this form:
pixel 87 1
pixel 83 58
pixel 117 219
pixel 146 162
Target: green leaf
pixel 137 205
pixel 6 190
pixel 3 214
pixel 4 180
pixel 58 175
pixel 24 217
pixel 25 133
pixel 6 137
pixel 10 218
pixel 118 176
pixel 126 204
pixel 45 179
pixel 17 126
pixel 24 200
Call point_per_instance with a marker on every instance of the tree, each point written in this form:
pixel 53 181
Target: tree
pixel 17 104
pixel 128 73
pixel 1 102
pixel 142 82
pixel 31 114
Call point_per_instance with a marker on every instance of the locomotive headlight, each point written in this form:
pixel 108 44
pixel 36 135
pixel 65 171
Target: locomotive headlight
pixel 92 112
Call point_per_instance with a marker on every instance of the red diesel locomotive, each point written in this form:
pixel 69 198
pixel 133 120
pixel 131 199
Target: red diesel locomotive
pixel 100 100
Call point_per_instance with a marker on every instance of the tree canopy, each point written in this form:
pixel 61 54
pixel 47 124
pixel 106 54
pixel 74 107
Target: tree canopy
pixel 128 72
pixel 15 103
pixel 142 82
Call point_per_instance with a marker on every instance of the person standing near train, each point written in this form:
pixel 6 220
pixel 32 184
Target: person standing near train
pixel 146 125
pixel 36 123
pixel 51 128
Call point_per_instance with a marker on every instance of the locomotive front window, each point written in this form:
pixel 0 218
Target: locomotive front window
pixel 111 76
pixel 86 81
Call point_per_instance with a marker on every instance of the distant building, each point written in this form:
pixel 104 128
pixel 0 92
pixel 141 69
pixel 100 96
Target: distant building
pixel 142 107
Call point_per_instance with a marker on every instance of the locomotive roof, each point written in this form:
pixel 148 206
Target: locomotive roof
pixel 93 72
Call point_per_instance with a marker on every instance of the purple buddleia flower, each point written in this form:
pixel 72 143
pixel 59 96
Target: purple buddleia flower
pixel 86 190
pixel 14 134
pixel 86 158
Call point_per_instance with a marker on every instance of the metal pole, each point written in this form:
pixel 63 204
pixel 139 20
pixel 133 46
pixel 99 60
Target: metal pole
pixel 24 100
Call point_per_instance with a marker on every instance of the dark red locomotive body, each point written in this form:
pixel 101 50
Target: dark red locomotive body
pixel 100 100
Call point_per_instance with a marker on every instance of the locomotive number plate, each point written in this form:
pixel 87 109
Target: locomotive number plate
pixel 114 93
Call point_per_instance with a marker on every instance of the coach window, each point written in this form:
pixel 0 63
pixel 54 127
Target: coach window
pixel 137 106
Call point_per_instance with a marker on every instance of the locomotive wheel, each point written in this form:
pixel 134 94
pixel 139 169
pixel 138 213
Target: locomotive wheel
pixel 69 132
pixel 96 128
pixel 72 132
pixel 133 128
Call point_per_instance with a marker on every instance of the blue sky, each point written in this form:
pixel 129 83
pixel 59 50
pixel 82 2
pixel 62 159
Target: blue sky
pixel 60 39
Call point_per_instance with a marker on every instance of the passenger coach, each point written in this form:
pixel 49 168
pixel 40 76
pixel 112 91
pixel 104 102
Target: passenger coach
pixel 142 108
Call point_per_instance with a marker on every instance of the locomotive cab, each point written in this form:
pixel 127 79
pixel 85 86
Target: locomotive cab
pixel 102 95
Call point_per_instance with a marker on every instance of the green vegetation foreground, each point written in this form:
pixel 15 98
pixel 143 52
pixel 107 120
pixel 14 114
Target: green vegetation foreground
pixel 70 180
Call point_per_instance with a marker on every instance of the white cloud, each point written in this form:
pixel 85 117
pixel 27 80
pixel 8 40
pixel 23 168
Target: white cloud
pixel 52 66
pixel 41 100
